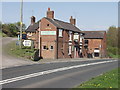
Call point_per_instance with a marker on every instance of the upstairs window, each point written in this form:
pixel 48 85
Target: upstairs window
pixel 29 34
pixel 70 36
pixel 60 33
pixel 86 41
pixel 76 36
pixel 48 24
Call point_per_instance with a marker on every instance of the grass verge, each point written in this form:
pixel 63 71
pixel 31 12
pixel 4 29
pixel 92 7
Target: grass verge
pixel 14 50
pixel 114 56
pixel 107 80
pixel 2 34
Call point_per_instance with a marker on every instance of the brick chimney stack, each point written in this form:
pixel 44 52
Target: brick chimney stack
pixel 32 20
pixel 50 14
pixel 72 20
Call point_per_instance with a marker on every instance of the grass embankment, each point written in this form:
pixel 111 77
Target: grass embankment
pixel 113 52
pixel 2 34
pixel 114 56
pixel 14 50
pixel 107 80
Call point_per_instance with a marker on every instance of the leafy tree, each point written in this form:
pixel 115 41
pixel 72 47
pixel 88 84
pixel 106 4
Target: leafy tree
pixel 113 39
pixel 12 29
pixel 118 40
pixel 112 36
pixel 18 26
pixel 0 26
pixel 5 29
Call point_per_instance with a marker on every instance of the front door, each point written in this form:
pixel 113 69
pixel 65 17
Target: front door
pixel 76 49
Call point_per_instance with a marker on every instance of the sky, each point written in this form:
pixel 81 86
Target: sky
pixel 89 15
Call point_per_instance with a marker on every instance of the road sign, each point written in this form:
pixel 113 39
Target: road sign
pixel 27 42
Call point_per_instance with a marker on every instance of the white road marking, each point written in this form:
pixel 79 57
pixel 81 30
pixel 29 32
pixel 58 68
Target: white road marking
pixel 48 72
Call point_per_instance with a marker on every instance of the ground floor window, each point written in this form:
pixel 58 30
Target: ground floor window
pixel 96 54
pixel 44 47
pixel 51 47
pixel 69 50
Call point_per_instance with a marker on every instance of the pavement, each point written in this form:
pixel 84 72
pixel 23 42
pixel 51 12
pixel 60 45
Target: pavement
pixel 55 75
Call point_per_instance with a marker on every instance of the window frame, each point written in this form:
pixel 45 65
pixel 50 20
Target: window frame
pixel 52 46
pixel 45 46
pixel 69 50
pixel 60 34
pixel 48 24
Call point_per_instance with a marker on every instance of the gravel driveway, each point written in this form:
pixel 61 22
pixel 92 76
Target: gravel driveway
pixel 10 61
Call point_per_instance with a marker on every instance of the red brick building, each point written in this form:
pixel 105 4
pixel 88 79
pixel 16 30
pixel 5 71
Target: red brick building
pixel 95 43
pixel 56 38
pixel 59 39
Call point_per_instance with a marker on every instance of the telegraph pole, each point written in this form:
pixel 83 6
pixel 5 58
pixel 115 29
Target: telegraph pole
pixel 39 39
pixel 21 20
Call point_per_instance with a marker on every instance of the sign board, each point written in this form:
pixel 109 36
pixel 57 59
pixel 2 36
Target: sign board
pixel 18 37
pixel 97 51
pixel 27 42
pixel 48 32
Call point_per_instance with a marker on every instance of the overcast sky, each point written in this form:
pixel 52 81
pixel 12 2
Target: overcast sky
pixel 89 15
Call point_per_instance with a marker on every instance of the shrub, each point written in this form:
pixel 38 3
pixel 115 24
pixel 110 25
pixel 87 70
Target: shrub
pixel 36 55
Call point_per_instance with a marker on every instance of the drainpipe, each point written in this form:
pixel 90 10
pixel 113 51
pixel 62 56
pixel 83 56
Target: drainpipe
pixel 56 44
pixel 39 39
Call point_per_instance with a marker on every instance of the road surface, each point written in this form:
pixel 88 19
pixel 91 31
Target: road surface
pixel 55 75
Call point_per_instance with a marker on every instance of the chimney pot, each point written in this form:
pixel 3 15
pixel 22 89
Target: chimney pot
pixel 32 20
pixel 71 17
pixel 50 14
pixel 48 9
pixel 72 20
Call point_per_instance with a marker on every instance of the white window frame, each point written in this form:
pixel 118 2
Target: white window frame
pixel 76 36
pixel 29 34
pixel 60 33
pixel 50 48
pixel 70 50
pixel 81 38
pixel 43 47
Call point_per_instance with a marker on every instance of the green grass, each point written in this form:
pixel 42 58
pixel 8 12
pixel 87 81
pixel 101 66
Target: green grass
pixel 2 34
pixel 14 50
pixel 107 80
pixel 113 56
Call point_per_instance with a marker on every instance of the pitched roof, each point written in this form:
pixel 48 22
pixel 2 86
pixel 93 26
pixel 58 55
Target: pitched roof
pixel 94 34
pixel 57 23
pixel 33 28
pixel 63 25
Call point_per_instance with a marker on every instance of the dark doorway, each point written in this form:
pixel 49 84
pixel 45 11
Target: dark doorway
pixel 96 54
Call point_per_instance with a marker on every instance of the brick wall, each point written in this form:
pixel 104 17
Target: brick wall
pixel 97 44
pixel 48 40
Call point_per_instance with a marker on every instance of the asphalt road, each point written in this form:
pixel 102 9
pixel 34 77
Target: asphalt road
pixel 54 75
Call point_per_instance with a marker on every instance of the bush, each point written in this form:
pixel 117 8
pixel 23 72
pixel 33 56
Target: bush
pixel 112 50
pixel 36 55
